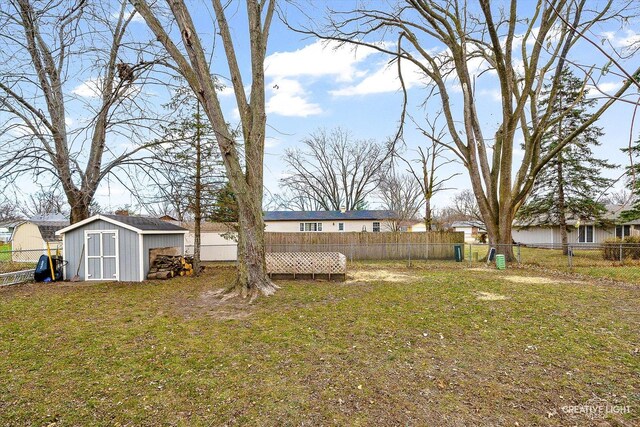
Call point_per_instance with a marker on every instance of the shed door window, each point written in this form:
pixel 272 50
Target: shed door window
pixel 341 226
pixel 376 227
pixel 101 259
pixel 585 234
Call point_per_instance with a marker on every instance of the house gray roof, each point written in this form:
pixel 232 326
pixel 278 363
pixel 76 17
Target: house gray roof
pixel 329 215
pixel 51 217
pixel 612 214
pixel 48 229
pixel 477 224
pixel 145 223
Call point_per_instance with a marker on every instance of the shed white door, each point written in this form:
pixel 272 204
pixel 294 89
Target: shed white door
pixel 101 259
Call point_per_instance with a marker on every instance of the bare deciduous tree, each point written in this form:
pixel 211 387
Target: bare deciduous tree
pixel 9 210
pixel 245 178
pixel 431 160
pixel 46 201
pixel 402 195
pixel 464 207
pixel 618 197
pixel 333 171
pixel 44 46
pixel 446 40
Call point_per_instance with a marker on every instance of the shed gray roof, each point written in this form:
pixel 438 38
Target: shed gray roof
pixel 139 224
pixel 329 215
pixel 145 223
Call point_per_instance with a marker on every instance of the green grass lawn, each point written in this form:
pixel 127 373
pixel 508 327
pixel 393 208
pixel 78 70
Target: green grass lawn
pixel 392 346
pixel 5 255
pixel 585 262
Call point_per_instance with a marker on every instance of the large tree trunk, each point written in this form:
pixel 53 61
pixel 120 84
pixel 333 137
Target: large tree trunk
pixel 79 211
pixel 80 203
pixel 244 170
pixel 428 220
pixel 500 237
pixel 252 273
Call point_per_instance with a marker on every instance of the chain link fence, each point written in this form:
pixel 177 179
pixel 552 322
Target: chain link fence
pixel 614 260
pixel 22 259
pixel 19 266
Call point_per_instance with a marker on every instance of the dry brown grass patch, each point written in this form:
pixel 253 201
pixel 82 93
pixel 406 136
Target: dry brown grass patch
pixel 488 296
pixel 380 275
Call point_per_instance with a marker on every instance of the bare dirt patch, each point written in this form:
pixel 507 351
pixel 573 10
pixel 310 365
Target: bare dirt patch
pixel 488 296
pixel 486 269
pixel 213 304
pixel 538 280
pixel 381 275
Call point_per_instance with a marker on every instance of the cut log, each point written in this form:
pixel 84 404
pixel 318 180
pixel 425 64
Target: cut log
pixel 161 275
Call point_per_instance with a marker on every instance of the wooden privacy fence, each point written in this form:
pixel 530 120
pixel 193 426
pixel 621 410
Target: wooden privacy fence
pixel 368 245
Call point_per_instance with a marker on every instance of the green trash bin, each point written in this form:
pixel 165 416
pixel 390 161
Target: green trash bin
pixel 500 262
pixel 457 251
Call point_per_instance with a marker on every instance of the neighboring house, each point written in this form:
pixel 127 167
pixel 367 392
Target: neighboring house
pixel 31 236
pixel 6 230
pixel 580 231
pixel 117 247
pixel 472 229
pixel 216 241
pixel 328 221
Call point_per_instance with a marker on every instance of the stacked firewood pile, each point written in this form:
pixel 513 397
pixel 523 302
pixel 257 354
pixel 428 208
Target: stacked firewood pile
pixel 168 266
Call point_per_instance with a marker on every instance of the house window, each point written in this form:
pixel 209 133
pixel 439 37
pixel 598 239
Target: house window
pixel 341 226
pixel 585 234
pixel 623 231
pixel 376 227
pixel 310 226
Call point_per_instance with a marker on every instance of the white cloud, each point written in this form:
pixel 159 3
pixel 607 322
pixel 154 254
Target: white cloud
pixel 384 80
pixel 227 91
pixel 270 142
pixel 623 40
pixel 600 88
pixel 90 88
pixel 137 18
pixel 288 98
pixel 318 59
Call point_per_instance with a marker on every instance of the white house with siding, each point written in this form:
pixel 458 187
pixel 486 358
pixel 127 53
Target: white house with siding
pixel 116 247
pixel 217 241
pixel 580 231
pixel 328 221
